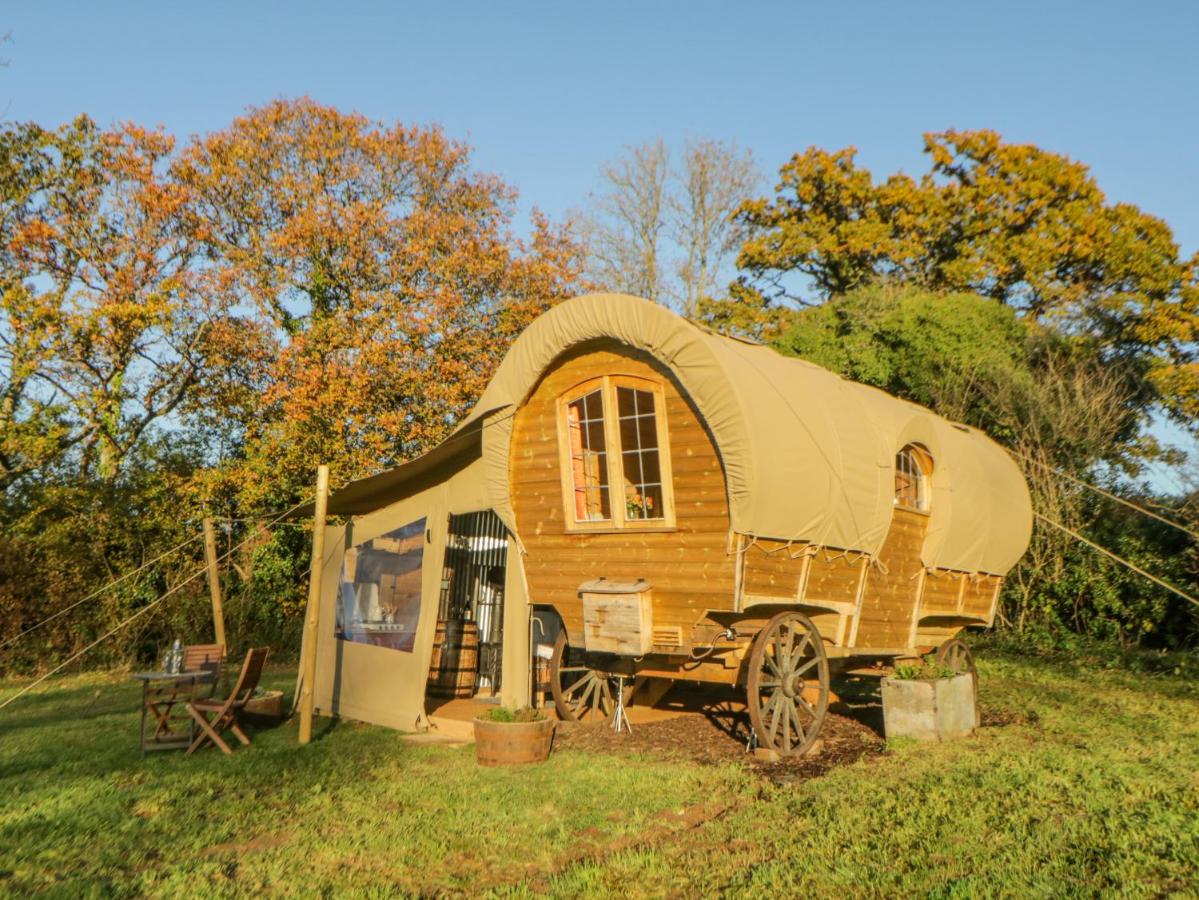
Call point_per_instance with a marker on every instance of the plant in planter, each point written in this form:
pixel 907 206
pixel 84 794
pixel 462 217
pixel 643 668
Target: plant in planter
pixel 510 737
pixel 928 701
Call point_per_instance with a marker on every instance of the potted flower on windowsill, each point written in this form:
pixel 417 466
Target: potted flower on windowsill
pixel 511 737
pixel 928 701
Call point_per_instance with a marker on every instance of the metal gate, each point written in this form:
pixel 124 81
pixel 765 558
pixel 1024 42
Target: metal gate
pixel 472 584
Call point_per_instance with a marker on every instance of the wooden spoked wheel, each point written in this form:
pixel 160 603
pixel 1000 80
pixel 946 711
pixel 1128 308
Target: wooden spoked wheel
pixel 787 687
pixel 582 694
pixel 956 655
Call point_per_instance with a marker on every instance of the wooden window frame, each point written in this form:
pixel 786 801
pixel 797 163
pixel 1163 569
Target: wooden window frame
pixel 924 462
pixel 614 453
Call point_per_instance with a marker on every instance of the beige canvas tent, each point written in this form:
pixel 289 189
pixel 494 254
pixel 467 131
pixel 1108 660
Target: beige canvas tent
pixel 666 503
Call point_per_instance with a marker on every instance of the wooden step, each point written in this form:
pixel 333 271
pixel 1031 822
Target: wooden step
pixel 454 729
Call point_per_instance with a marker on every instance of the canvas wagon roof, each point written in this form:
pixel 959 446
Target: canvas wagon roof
pixel 808 456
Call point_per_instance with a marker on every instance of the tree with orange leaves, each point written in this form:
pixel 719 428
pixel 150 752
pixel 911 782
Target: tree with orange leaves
pixel 101 335
pixel 382 272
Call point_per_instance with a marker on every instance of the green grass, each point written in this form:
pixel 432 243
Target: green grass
pixel 1092 787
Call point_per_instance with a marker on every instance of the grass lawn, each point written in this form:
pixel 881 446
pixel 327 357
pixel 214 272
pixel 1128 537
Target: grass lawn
pixel 1087 783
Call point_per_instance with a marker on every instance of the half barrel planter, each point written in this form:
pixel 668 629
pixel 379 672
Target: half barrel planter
pixel 929 709
pixel 513 743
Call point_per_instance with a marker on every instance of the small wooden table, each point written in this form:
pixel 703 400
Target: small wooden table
pixel 181 685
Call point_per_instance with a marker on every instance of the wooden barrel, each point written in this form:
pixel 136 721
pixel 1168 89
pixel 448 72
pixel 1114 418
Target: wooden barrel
pixel 455 663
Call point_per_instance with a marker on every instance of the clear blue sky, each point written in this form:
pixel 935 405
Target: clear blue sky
pixel 546 92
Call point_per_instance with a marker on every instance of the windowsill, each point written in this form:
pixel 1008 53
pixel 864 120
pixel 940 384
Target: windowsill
pixel 664 527
pixel 911 509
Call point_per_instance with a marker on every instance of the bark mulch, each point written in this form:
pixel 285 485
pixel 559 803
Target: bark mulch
pixel 715 732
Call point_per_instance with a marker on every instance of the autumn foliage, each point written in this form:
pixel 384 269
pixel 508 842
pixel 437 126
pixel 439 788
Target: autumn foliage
pixel 207 323
pixel 188 329
pixel 1026 227
pixel 376 275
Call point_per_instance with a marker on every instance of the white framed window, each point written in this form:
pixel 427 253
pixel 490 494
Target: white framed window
pixel 614 454
pixel 913 473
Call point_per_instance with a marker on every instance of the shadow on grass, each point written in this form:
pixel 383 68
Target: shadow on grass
pixel 860 698
pixel 50 703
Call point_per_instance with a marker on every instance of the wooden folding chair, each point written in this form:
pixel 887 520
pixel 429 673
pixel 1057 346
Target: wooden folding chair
pixel 159 698
pixel 215 716
pixel 206 658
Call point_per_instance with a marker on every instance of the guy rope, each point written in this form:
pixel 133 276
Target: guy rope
pixel 1103 550
pixel 141 612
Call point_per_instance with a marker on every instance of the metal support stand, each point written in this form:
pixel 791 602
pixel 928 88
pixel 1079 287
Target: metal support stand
pixel 620 719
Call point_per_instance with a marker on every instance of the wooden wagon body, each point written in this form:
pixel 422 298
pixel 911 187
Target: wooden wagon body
pixel 715 588
pixel 705 576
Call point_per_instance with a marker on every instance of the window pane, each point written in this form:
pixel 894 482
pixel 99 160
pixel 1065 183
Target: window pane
pixel 650 468
pixel 911 480
pixel 595 435
pixel 380 591
pixel 652 495
pixel 588 458
pixel 625 402
pixel 647 431
pixel 628 434
pixel 640 466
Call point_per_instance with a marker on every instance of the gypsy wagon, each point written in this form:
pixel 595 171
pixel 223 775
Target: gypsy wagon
pixel 643 501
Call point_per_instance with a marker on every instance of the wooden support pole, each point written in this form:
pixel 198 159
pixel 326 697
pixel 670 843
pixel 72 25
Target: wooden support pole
pixel 312 620
pixel 214 584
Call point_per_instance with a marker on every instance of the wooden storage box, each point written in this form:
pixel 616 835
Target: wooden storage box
pixel 618 616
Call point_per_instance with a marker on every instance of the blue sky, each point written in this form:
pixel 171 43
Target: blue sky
pixel 546 92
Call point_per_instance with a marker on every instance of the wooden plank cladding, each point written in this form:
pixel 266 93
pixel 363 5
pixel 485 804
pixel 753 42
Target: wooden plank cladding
pixel 958 594
pixel 893 585
pixel 690 556
pixel 774 568
pixel 689 564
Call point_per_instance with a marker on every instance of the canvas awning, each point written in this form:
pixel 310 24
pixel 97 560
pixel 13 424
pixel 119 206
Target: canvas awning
pixel 368 494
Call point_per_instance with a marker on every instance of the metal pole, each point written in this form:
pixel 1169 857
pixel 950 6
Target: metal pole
pixel 308 663
pixel 214 584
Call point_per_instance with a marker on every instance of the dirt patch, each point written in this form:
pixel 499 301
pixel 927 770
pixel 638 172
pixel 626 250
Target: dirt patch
pixel 999 718
pixel 262 842
pixel 717 732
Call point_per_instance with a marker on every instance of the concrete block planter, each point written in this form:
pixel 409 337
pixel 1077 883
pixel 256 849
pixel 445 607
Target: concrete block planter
pixel 929 709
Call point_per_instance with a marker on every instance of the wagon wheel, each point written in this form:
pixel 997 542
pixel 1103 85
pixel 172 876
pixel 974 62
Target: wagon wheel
pixel 956 655
pixel 581 694
pixel 787 689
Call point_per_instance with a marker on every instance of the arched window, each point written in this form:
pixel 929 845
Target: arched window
pixel 913 469
pixel 614 454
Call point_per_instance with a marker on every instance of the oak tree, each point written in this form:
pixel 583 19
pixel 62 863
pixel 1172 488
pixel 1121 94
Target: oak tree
pixel 102 337
pixel 1022 225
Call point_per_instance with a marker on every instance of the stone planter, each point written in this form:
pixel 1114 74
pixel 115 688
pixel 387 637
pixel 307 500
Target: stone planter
pixel 929 709
pixel 513 743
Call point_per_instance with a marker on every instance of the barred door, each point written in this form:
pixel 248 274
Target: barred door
pixel 472 586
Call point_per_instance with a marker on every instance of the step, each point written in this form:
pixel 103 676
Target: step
pixel 454 729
